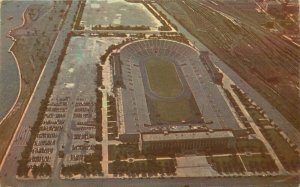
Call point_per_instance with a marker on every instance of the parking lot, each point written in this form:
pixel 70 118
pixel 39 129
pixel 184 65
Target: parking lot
pixel 117 12
pixel 69 124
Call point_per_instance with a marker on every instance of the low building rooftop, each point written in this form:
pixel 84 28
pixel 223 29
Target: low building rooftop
pixel 186 135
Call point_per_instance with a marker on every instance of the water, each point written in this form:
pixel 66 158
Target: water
pixel 9 78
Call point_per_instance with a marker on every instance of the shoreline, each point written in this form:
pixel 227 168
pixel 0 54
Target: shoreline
pixel 29 97
pixel 10 35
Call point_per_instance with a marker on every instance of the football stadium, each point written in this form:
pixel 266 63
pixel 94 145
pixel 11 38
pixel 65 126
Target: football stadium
pixel 163 87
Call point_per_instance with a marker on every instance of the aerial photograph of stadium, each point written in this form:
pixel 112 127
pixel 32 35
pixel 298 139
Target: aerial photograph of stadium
pixel 150 93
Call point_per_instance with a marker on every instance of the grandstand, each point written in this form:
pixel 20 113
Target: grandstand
pixel 143 109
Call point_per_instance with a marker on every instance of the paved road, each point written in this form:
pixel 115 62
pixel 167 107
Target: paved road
pixel 118 31
pixel 176 182
pixel 276 116
pixel 9 164
pixel 104 134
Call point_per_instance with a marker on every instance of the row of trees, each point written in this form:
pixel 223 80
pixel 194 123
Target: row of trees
pixel 165 17
pixel 261 166
pixel 121 27
pixel 43 169
pixel 124 151
pixel 84 169
pixel 77 25
pixel 111 48
pixel 289 156
pixel 99 81
pixel 290 161
pixel 229 164
pixel 107 52
pixel 90 166
pixel 172 36
pixel 94 157
pixel 151 167
pixel 165 26
pixel 23 168
pixel 112 34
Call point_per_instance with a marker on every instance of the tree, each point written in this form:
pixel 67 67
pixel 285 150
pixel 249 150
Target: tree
pixel 47 169
pixel 22 169
pixel 34 171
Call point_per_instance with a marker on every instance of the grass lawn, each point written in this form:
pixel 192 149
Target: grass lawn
pixel 259 163
pixel 250 145
pixel 124 151
pixel 163 77
pixel 143 166
pixel 286 154
pixel 174 111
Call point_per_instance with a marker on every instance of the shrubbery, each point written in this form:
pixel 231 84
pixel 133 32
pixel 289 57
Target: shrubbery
pixel 121 27
pixel 23 169
pixel 77 25
pixel 83 169
pixel 150 166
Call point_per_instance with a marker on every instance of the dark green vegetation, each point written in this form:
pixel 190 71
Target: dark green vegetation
pixel 181 110
pixel 111 48
pixel 174 111
pixel 94 157
pixel 163 77
pixel 287 155
pixel 121 27
pixel 83 169
pixel 41 170
pixel 250 145
pixel 99 95
pixel 165 82
pixel 259 163
pixel 91 165
pixel 130 151
pixel 81 6
pixel 179 37
pixel 123 156
pixel 124 151
pixel 255 159
pixel 165 26
pixel 149 166
pixel 23 167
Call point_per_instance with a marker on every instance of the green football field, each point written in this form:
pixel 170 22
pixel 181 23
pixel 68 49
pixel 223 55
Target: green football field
pixel 174 111
pixel 163 78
